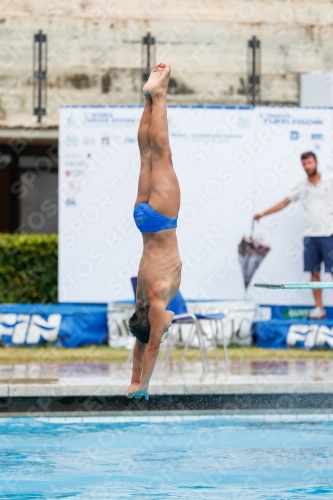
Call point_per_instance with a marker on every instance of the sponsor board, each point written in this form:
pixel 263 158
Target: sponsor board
pixel 67 325
pixel 30 329
pixel 231 163
pixel 296 313
pixel 305 334
pixel 310 336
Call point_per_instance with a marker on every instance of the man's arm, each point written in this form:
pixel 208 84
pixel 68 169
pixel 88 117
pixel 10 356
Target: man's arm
pixel 275 208
pixel 156 320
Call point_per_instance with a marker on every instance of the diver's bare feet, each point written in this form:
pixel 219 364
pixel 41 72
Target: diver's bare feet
pixel 158 80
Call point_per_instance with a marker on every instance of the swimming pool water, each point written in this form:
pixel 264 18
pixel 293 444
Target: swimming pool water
pixel 201 458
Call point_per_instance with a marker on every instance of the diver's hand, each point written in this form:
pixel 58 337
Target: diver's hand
pixel 132 389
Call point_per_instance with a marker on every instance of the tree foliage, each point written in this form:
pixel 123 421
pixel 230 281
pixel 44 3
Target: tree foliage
pixel 28 268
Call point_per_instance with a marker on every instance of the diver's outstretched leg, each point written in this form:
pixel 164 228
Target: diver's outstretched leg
pixel 145 154
pixel 164 186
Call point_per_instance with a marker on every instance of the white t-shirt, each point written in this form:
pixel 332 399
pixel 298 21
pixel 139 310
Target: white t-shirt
pixel 318 205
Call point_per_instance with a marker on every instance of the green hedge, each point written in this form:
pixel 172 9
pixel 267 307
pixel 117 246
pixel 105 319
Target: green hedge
pixel 28 268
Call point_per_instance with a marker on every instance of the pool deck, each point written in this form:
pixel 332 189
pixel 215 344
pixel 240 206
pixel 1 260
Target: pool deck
pixel 258 377
pixel 48 389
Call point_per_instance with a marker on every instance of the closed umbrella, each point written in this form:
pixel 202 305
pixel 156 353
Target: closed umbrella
pixel 251 254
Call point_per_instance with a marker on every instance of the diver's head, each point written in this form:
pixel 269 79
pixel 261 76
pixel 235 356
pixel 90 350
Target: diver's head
pixel 138 324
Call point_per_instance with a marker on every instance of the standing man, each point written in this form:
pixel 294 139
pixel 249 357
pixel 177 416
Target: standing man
pixel 316 194
pixel 155 213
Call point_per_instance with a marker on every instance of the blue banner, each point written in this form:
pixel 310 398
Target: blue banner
pixel 64 325
pixel 281 334
pixel 295 312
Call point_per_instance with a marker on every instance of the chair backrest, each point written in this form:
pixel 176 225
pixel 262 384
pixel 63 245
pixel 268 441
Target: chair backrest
pixel 177 305
pixel 134 281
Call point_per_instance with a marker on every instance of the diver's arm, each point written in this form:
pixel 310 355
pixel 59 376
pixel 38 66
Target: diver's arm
pixel 138 352
pixel 156 320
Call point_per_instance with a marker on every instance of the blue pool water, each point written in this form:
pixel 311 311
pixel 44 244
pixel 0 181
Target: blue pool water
pixel 202 458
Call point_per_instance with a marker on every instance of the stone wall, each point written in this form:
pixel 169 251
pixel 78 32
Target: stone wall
pixel 94 49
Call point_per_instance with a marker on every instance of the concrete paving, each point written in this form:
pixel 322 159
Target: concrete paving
pixel 278 377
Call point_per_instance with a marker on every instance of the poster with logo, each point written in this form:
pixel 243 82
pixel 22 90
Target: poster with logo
pixel 231 163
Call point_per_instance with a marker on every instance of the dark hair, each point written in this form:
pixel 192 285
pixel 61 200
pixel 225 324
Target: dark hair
pixel 308 154
pixel 139 326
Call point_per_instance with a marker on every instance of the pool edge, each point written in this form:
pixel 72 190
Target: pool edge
pixel 176 404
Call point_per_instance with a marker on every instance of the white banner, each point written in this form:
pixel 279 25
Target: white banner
pixel 231 162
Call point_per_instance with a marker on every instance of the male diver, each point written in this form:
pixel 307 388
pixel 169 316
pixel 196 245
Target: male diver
pixel 155 214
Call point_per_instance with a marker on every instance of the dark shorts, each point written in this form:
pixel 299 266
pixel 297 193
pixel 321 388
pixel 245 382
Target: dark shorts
pixel 318 249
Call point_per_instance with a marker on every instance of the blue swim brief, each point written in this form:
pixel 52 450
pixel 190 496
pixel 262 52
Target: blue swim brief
pixel 150 221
